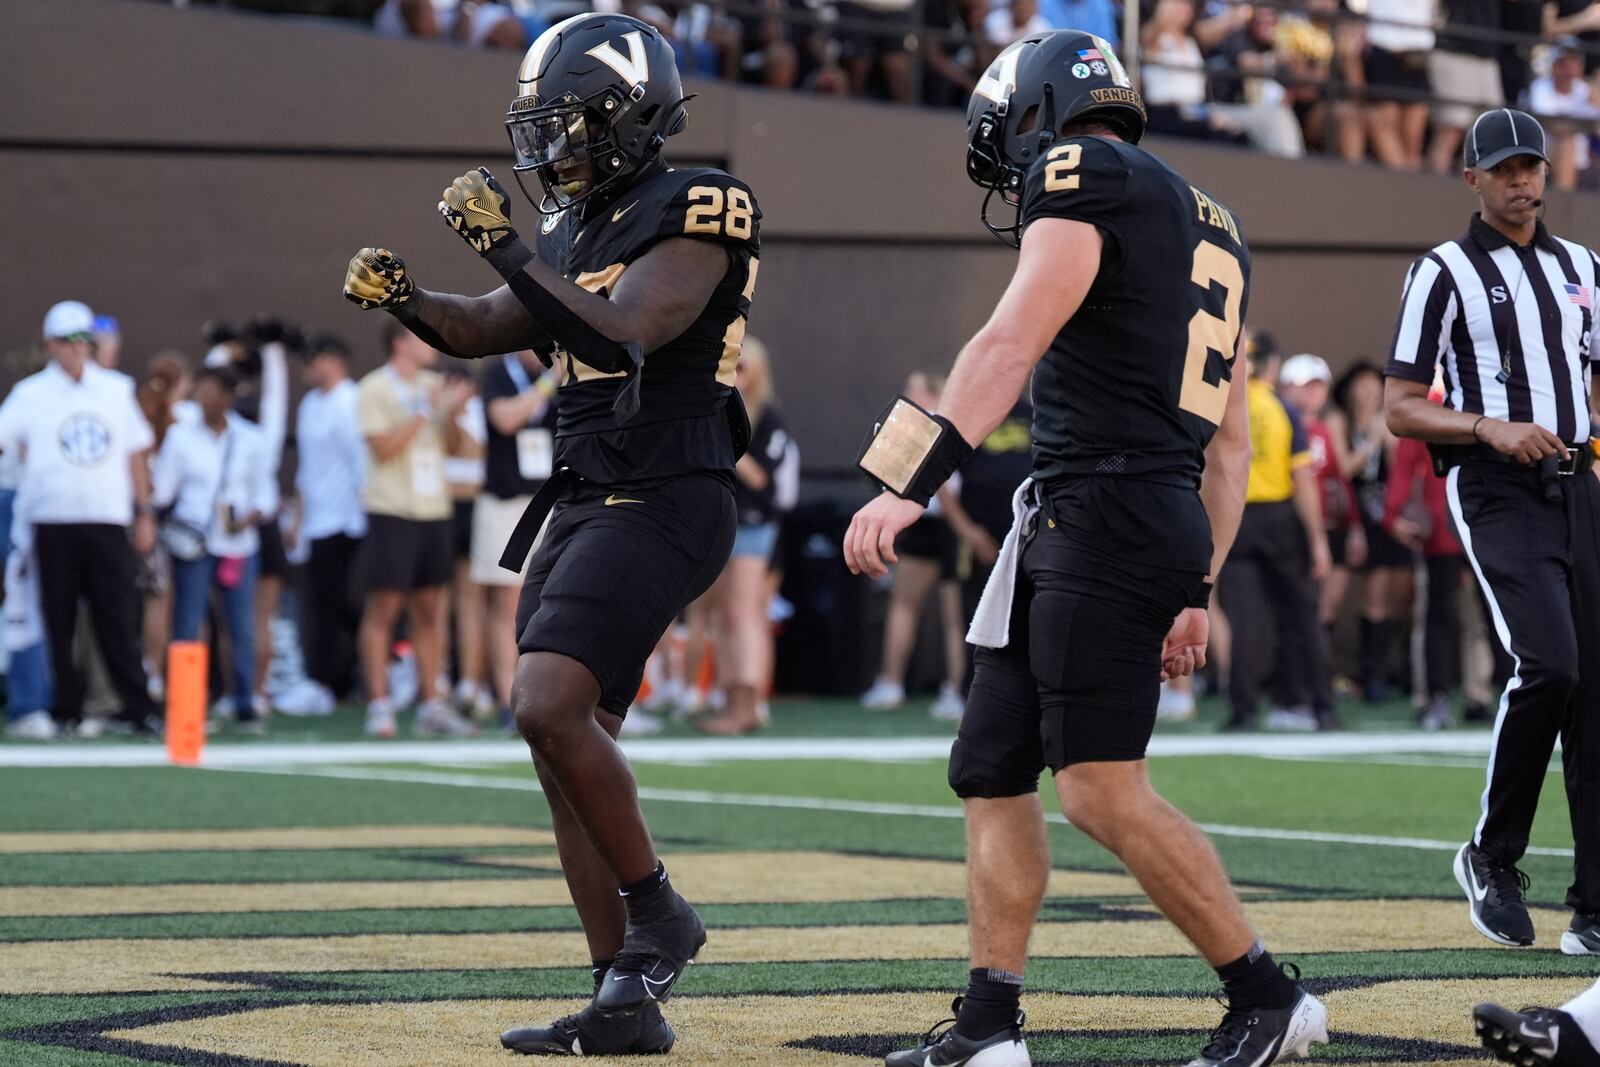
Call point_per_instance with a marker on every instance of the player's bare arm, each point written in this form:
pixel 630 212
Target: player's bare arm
pixel 1411 414
pixel 1057 265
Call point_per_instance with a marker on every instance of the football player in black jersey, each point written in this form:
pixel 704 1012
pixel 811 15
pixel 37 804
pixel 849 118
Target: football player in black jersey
pixel 1125 312
pixel 640 288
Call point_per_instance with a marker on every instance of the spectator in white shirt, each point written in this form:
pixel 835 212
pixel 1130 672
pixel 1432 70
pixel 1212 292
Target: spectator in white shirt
pixel 213 475
pixel 1566 102
pixel 328 482
pixel 85 476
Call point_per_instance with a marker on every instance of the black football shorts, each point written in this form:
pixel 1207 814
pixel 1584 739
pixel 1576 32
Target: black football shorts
pixel 1079 680
pixel 614 570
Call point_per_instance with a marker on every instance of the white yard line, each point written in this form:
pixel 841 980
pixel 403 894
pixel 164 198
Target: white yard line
pixel 856 807
pixel 652 750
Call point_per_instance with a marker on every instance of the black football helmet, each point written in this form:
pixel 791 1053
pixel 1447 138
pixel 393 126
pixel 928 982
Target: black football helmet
pixel 1033 89
pixel 598 87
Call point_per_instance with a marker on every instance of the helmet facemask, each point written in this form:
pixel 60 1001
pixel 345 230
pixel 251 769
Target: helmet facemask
pixel 550 138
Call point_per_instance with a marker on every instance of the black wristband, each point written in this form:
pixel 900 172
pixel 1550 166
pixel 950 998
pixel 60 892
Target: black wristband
pixel 508 255
pixel 1202 596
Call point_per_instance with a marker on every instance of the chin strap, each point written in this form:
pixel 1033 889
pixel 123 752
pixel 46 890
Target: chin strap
pixel 568 329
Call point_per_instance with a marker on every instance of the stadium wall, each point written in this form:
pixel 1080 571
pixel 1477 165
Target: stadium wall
pixel 170 166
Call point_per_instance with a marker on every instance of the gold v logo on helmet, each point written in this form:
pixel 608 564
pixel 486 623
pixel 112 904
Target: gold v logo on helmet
pixel 633 68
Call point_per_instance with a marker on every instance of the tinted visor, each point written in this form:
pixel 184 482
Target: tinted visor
pixel 547 137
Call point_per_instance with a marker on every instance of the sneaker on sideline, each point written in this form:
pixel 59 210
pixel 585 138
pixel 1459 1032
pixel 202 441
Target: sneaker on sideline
pixel 34 726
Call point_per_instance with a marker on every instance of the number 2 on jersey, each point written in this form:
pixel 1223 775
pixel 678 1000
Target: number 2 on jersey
pixel 706 214
pixel 1213 265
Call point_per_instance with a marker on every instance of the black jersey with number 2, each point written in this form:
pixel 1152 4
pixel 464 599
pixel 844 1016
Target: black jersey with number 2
pixel 687 384
pixel 1134 386
pixel 1136 383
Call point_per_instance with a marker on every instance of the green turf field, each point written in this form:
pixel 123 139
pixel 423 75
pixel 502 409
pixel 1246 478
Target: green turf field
pixel 355 913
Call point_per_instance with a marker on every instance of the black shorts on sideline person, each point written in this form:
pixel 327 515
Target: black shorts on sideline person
pixel 615 567
pixel 406 554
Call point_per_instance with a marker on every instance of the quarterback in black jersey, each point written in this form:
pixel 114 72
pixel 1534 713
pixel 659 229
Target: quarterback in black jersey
pixel 638 283
pixel 1125 312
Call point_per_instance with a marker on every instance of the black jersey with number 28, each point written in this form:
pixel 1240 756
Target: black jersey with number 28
pixel 1136 383
pixel 687 384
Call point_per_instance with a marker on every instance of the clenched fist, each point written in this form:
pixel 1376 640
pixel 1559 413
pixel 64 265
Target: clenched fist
pixel 377 278
pixel 476 207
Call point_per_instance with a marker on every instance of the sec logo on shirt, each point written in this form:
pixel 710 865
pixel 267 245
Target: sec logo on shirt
pixel 84 439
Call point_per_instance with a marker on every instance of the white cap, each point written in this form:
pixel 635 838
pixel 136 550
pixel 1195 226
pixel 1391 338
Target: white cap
pixel 67 318
pixel 1304 369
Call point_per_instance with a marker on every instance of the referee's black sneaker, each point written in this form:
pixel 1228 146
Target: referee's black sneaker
pixel 652 959
pixel 1583 936
pixel 1533 1037
pixel 592 1032
pixel 949 1049
pixel 1258 1036
pixel 1494 896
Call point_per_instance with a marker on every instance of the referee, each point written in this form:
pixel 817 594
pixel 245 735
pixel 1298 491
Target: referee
pixel 1508 310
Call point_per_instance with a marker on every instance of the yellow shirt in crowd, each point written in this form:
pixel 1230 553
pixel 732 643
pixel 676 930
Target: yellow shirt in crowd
pixel 1278 446
pixel 411 485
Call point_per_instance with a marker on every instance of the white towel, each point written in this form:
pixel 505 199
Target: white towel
pixel 991 623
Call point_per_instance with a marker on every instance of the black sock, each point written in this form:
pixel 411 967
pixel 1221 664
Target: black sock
pixel 990 1003
pixel 1255 980
pixel 598 971
pixel 651 897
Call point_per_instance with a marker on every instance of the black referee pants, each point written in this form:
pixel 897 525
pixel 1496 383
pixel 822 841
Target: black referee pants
pixel 1266 590
pixel 93 562
pixel 1535 547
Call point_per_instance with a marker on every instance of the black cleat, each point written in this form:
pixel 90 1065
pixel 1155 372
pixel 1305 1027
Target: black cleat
pixel 652 959
pixel 1533 1037
pixel 1583 936
pixel 950 1049
pixel 1259 1036
pixel 1494 896
pixel 592 1032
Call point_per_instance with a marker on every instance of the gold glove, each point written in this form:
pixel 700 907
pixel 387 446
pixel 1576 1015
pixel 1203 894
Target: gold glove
pixel 476 207
pixel 377 278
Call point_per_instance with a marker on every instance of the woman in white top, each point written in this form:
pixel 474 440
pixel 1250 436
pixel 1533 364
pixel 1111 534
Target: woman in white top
pixel 1174 77
pixel 212 474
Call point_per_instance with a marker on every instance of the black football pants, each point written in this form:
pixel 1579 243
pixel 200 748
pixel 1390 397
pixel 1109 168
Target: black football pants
pixel 1535 547
pixel 93 562
pixel 1266 590
pixel 330 612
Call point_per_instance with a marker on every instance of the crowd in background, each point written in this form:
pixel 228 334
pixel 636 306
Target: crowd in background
pixel 344 551
pixel 1394 81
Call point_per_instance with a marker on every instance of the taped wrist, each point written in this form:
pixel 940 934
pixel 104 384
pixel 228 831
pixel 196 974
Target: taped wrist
pixel 568 329
pixel 912 452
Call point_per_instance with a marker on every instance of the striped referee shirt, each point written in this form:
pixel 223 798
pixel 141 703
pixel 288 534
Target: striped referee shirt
pixel 1510 326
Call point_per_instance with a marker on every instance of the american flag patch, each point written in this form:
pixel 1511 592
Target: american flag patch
pixel 1579 294
pixel 1087 54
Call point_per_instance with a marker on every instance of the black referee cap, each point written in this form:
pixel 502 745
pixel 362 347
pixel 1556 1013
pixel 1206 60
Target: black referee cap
pixel 1498 135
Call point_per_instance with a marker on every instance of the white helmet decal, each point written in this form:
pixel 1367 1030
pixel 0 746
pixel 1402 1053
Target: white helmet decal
pixel 634 67
pixel 1000 80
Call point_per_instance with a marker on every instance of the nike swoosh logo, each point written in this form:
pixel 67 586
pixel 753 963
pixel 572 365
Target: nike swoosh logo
pixel 1266 1057
pixel 615 499
pixel 651 982
pixel 616 216
pixel 1478 892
